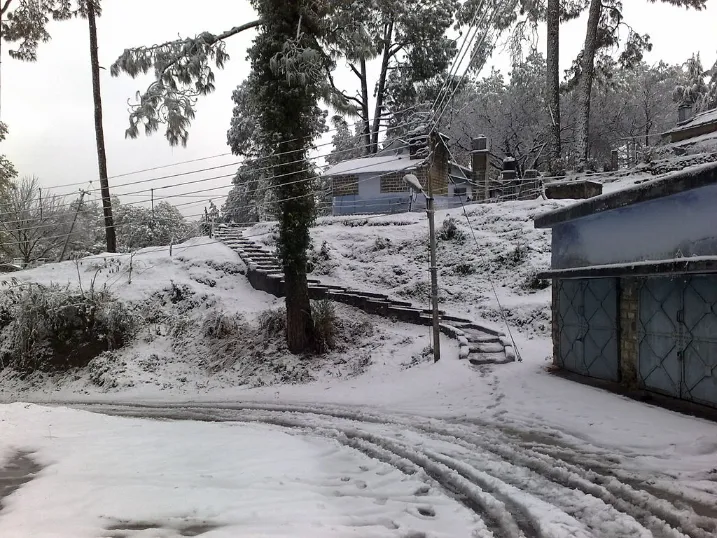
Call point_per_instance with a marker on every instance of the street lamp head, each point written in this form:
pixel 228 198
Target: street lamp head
pixel 413 182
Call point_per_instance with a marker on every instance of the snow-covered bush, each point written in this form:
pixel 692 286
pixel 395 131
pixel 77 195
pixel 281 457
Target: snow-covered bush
pixel 450 231
pixel 140 227
pixel 320 262
pixel 218 324
pixel 273 322
pixel 55 328
pixel 323 313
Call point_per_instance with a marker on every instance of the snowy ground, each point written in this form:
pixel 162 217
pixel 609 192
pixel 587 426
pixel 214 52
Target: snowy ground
pixel 328 470
pixel 115 477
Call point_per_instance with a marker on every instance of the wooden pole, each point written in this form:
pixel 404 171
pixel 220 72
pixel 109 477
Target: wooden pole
pixel 430 207
pixel 74 220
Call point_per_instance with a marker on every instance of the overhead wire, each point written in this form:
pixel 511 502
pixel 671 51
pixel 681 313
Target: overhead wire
pixel 251 160
pixel 470 225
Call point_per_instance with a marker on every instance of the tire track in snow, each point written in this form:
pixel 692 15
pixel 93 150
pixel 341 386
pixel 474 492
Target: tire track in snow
pixel 508 510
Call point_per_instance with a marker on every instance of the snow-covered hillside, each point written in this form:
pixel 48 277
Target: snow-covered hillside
pixel 201 327
pixel 390 254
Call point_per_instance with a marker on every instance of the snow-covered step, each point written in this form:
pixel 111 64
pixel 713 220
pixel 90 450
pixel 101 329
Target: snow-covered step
pixel 486 347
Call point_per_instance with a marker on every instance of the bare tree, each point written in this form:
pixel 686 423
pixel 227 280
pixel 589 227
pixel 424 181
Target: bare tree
pixel 30 229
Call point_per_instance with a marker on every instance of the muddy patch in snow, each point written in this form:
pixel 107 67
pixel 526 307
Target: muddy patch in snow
pixel 16 472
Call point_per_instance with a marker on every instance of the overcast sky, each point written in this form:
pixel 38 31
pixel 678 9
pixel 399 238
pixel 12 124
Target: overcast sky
pixel 48 105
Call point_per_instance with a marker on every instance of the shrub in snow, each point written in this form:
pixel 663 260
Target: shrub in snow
pixel 323 314
pixel 464 269
pixel 320 261
pixel 381 243
pixel 533 283
pixel 56 328
pixel 220 325
pixel 273 322
pixel 140 227
pixel 450 231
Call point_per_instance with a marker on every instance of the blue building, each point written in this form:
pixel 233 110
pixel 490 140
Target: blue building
pixel 635 286
pixel 375 184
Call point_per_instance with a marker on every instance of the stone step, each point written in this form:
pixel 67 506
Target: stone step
pixel 467 327
pixel 429 311
pixel 407 315
pixel 492 358
pixel 483 338
pixel 486 347
pixel 454 319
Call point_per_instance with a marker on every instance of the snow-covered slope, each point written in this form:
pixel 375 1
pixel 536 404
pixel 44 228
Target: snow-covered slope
pixel 203 327
pixel 390 254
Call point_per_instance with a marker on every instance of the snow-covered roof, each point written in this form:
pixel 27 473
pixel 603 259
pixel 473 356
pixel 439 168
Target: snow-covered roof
pixel 703 118
pixel 689 178
pixel 374 165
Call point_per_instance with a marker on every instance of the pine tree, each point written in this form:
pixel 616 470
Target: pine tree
pixel 347 145
pixel 90 9
pixel 604 21
pixel 694 89
pixel 288 74
pixel 553 82
pixel 7 170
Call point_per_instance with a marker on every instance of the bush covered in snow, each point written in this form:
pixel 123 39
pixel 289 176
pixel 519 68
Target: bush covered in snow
pixel 141 227
pixel 323 313
pixel 450 231
pixel 50 328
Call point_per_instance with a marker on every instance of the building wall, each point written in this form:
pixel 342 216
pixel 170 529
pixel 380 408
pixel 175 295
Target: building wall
pixel 681 225
pixel 345 185
pixel 366 193
pixel 692 132
pixel 628 298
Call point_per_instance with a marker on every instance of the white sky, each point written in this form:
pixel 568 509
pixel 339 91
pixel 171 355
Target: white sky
pixel 48 105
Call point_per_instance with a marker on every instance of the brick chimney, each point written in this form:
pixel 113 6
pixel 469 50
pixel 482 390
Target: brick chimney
pixel 685 113
pixel 479 165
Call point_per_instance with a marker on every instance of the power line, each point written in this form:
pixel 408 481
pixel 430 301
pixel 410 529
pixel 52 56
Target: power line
pixel 244 161
pixel 410 164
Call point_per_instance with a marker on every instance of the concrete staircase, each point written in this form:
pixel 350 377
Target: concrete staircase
pixel 478 344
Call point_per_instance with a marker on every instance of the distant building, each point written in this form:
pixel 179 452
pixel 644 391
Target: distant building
pixel 691 126
pixel 635 286
pixel 375 184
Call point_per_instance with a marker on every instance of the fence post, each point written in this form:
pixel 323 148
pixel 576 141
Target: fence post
pixel 479 164
pixel 614 160
pixel 531 183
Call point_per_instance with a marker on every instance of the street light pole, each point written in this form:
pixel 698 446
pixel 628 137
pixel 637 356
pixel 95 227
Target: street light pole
pixel 434 274
pixel 413 182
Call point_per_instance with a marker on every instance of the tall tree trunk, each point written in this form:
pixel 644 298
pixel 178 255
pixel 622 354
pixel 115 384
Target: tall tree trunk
pixel 553 70
pixel 586 81
pixel 3 9
pixel 287 109
pixel 99 131
pixel 364 109
pixel 381 87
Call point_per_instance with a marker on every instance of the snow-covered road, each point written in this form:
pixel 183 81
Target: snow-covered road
pixel 511 482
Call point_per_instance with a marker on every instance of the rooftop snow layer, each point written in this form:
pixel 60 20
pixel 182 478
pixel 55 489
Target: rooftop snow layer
pixel 709 116
pixel 373 165
pixel 693 177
